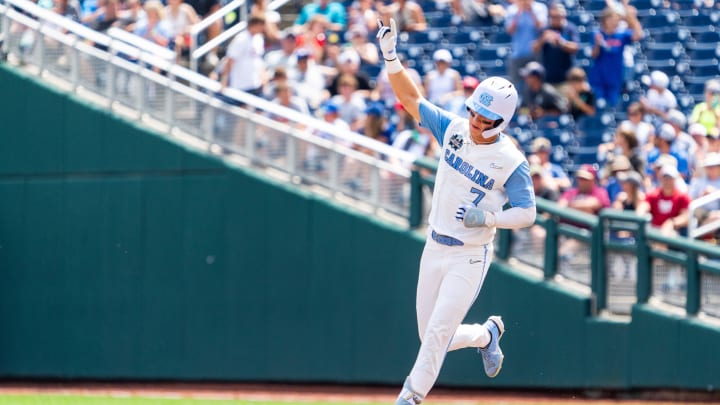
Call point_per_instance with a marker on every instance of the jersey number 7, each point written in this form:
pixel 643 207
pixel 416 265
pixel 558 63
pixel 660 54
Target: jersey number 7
pixel 480 193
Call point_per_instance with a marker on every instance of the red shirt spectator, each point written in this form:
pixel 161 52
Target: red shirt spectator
pixel 587 196
pixel 668 205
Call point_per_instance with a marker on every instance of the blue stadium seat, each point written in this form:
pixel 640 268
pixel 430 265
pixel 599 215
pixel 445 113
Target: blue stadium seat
pixel 501 38
pixel 695 90
pixel 661 22
pixel 700 22
pixel 424 37
pixel 498 69
pixel 701 53
pixel 594 7
pixel 579 155
pixel 708 38
pixel 487 54
pixel 704 70
pixel 670 37
pixel 463 37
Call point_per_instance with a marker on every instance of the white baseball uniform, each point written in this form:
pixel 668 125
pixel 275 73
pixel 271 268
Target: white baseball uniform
pixel 456 258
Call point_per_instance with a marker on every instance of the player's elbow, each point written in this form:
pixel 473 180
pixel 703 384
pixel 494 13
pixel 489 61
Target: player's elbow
pixel 528 217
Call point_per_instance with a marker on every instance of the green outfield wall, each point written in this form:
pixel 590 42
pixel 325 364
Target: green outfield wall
pixel 126 256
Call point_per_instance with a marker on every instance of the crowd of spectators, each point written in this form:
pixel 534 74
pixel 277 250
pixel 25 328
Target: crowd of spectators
pixel 325 64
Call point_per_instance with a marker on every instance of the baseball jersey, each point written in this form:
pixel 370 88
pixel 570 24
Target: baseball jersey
pixel 486 176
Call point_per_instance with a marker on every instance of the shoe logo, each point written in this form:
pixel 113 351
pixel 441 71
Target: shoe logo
pixel 495 166
pixel 475 261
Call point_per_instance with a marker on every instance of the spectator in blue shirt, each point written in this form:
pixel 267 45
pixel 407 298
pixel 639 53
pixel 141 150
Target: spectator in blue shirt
pixel 332 10
pixel 606 74
pixel 557 45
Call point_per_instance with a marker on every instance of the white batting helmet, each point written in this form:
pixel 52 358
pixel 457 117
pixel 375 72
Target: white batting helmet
pixel 494 98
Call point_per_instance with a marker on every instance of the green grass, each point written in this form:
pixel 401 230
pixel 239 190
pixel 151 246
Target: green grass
pixel 54 399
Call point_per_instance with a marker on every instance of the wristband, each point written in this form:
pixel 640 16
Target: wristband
pixel 393 66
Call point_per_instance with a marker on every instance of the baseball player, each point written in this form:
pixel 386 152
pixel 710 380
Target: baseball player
pixel 480 169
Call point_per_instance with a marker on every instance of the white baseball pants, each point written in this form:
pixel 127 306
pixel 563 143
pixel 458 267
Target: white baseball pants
pixel 449 282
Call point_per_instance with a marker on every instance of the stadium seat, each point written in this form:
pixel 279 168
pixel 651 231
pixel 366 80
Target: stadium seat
pixel 699 23
pixel 463 37
pixel 703 70
pixel 702 53
pixel 708 38
pixel 424 37
pixel 501 38
pixel 662 51
pixel 661 22
pixel 594 7
pixel 670 37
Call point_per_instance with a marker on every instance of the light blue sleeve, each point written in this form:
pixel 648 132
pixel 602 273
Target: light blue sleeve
pixel 435 119
pixel 519 187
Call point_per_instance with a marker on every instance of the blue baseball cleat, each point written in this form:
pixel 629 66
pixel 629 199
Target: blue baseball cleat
pixel 492 355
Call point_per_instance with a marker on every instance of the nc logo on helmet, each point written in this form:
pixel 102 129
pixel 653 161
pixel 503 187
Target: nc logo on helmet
pixel 485 99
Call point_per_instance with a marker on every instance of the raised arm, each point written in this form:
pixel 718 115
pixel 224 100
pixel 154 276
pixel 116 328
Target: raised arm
pixel 402 84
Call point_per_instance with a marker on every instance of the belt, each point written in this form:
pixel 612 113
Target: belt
pixel 446 240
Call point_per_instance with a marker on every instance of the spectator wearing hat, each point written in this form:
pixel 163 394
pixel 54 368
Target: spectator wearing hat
pixel 668 204
pixel 540 98
pixel 333 11
pixel 653 179
pixel 659 99
pixel 554 176
pixel 316 159
pixel 707 112
pixel 684 143
pixel 713 142
pixel 663 146
pixel 307 79
pixel 284 57
pixel 587 196
pixel 618 165
pixel 443 79
pixel 455 101
pixel 579 94
pixel 631 196
pixel 607 71
pixel 709 182
pixel 706 184
pixel 349 65
pixel 376 124
pixel 698 132
pixel 537 173
pixel 557 45
pixel 524 21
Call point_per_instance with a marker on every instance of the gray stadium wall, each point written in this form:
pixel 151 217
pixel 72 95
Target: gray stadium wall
pixel 125 256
